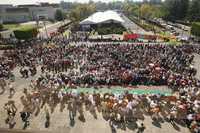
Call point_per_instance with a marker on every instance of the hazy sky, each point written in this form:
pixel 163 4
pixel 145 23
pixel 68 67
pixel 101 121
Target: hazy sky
pixel 17 2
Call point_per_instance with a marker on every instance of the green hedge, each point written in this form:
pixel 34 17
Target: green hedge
pixel 196 29
pixel 26 33
pixel 110 30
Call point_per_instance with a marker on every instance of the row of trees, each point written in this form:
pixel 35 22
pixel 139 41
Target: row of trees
pixel 186 11
pixel 81 11
pixel 168 9
pixel 183 10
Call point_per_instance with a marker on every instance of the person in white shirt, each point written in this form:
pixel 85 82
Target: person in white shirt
pixel 11 90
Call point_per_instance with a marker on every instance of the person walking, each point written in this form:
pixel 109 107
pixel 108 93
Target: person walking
pixel 47 122
pixel 141 128
pixel 2 85
pixel 11 120
pixel 24 116
pixel 11 111
pixel 11 90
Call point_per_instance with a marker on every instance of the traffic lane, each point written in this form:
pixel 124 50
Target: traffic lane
pixel 183 33
pixel 51 28
pixel 133 26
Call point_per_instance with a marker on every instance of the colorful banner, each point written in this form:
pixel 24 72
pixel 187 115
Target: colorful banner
pixel 131 36
pixel 139 36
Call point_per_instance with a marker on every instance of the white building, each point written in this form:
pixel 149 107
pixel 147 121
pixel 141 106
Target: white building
pixel 45 10
pixel 17 15
pixel 24 13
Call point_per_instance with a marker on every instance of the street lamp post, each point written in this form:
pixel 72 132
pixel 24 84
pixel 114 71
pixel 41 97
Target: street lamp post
pixel 43 18
pixel 45 29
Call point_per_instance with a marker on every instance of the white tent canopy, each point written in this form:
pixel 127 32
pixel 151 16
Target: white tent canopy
pixel 103 17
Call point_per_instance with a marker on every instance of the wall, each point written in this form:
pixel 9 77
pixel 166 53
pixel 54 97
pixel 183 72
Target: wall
pixel 48 12
pixel 16 17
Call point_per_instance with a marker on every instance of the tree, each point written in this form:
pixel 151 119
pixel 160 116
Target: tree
pixel 81 11
pixel 196 29
pixel 101 6
pixel 194 11
pixel 1 27
pixel 177 9
pixel 146 11
pixel 59 15
pixel 130 8
pixel 159 11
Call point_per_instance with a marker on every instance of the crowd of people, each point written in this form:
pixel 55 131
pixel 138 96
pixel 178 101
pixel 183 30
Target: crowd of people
pixel 113 64
pixel 48 92
pixel 105 64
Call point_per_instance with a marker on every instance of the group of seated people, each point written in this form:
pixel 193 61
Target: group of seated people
pixel 97 64
pixel 113 64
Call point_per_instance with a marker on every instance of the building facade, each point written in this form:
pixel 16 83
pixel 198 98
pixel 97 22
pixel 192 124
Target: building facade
pixel 24 13
pixel 17 15
pixel 47 12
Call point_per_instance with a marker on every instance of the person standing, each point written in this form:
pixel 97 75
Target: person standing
pixel 141 128
pixel 24 116
pixel 2 85
pixel 11 111
pixel 11 89
pixel 11 120
pixel 47 123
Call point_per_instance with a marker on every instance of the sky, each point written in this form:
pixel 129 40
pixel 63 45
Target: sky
pixel 19 2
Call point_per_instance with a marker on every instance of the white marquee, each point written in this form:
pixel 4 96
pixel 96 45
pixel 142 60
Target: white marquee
pixel 103 17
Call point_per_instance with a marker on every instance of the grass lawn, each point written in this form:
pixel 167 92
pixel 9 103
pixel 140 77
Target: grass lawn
pixel 16 26
pixel 10 26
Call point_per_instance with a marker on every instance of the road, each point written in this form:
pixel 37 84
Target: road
pixel 182 33
pixel 51 28
pixel 179 29
pixel 132 26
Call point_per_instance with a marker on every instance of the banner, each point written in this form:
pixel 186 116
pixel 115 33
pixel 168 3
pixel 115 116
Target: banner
pixel 131 36
pixel 139 36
